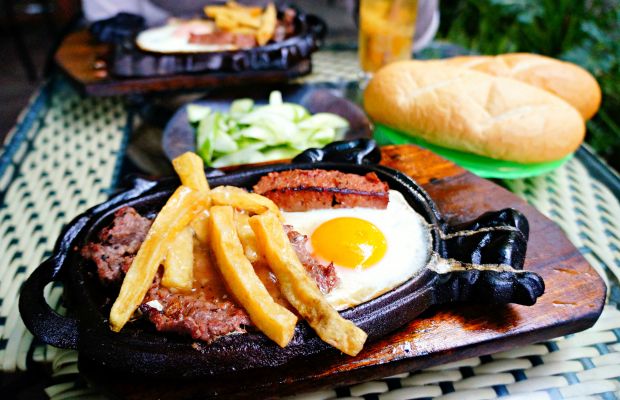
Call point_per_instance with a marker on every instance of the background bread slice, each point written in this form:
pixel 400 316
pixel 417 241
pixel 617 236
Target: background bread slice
pixel 566 80
pixel 475 112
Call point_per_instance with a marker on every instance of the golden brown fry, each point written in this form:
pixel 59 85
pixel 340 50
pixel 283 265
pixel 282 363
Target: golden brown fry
pixel 253 11
pixel 244 19
pixel 242 200
pixel 226 22
pixel 253 253
pixel 182 207
pixel 233 7
pixel 213 11
pixel 229 17
pixel 191 169
pixel 247 237
pixel 300 290
pixel 272 319
pixel 200 226
pixel 267 25
pixel 179 262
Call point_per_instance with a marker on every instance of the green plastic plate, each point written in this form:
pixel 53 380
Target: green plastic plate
pixel 482 166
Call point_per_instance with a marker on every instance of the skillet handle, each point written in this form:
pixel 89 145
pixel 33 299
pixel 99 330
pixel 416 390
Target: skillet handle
pixel 44 323
pixel 358 151
pixel 482 261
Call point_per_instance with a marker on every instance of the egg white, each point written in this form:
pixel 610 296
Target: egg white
pixel 163 40
pixel 408 248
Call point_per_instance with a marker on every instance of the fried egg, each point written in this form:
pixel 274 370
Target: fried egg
pixel 373 250
pixel 174 38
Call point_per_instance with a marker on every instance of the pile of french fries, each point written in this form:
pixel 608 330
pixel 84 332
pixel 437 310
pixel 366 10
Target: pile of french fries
pixel 236 18
pixel 240 229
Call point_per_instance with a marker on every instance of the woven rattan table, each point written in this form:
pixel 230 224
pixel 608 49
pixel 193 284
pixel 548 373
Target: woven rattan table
pixel 66 152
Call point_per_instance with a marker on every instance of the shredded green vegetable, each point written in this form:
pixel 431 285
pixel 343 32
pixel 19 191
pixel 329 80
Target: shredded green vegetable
pixel 251 133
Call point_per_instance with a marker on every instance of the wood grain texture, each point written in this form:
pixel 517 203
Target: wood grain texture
pixel 84 61
pixel 572 302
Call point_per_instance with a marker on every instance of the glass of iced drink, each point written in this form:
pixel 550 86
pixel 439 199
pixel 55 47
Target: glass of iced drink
pixel 386 29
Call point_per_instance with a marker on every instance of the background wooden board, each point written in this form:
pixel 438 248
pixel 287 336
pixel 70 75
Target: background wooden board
pixel 573 300
pixel 83 60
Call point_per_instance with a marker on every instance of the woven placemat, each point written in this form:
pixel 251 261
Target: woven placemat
pixel 59 160
pixel 63 157
pixel 334 67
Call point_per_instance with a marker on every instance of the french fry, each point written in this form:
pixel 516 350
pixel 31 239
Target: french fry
pixel 300 290
pixel 182 207
pixel 245 19
pixel 242 200
pixel 233 7
pixel 213 11
pixel 226 22
pixel 272 319
pixel 191 169
pixel 233 16
pixel 253 11
pixel 247 237
pixel 267 25
pixel 178 270
pixel 179 262
pixel 201 227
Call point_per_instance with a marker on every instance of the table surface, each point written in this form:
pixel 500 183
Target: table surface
pixel 66 153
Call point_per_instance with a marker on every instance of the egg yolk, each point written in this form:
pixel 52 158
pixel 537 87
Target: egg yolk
pixel 349 242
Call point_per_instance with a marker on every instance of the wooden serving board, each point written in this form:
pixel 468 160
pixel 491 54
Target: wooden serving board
pixel 84 61
pixel 573 301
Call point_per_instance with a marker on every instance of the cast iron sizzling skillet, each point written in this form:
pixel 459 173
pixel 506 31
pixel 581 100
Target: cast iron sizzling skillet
pixel 478 261
pixel 128 60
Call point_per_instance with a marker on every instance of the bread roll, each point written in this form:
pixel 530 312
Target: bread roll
pixel 568 81
pixel 475 112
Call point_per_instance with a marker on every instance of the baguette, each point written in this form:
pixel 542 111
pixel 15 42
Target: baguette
pixel 475 112
pixel 566 80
